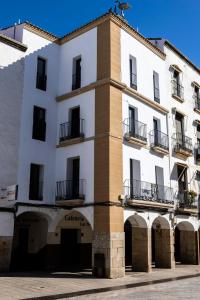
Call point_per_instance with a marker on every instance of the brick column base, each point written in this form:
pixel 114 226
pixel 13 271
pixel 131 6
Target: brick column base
pixel 141 249
pixel 5 252
pixel 111 248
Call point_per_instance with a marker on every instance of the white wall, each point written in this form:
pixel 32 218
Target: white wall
pixel 86 153
pixel 33 151
pixel 86 46
pixel 11 90
pixel 86 102
pixel 147 62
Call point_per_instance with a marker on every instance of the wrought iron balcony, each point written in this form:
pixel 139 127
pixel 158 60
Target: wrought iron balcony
pixel 70 189
pixel 182 144
pixel 135 129
pixel 159 139
pixel 196 102
pixel 185 200
pixel 177 89
pixel 71 130
pixel 133 81
pixel 146 191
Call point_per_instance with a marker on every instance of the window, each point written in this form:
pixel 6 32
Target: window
pixel 196 97
pixel 76 77
pixel 39 124
pixel 198 144
pixel 156 87
pixel 41 81
pixel 133 72
pixel 179 119
pixel 157 132
pixel 135 178
pixel 75 122
pixel 36 182
pixel 177 89
pixel 73 174
pixel 159 172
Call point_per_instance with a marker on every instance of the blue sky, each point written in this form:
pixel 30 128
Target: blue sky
pixel 176 20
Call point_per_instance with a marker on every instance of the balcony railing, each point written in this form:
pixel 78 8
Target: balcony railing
pixel 196 101
pixel 146 191
pixel 70 189
pixel 177 89
pixel 76 81
pixel 159 139
pixel 41 82
pixel 135 129
pixel 185 201
pixel 71 130
pixel 182 143
pixel 133 81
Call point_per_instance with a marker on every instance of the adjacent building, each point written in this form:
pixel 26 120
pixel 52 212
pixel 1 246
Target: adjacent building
pixel 99 152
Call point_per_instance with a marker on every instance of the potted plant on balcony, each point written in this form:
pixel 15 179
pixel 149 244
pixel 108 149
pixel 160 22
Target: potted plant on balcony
pixel 191 195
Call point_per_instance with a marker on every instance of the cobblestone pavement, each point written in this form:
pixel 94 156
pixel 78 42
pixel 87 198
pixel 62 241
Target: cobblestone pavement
pixel 52 286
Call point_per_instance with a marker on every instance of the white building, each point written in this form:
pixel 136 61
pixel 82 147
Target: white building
pixel 94 146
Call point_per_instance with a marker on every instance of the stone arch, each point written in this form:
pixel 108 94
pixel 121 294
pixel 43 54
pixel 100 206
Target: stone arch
pixel 137 244
pixel 70 242
pixel 162 243
pixel 29 241
pixel 186 243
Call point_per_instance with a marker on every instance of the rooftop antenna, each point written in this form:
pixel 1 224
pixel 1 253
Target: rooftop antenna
pixel 121 6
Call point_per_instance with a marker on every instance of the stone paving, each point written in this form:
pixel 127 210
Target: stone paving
pixel 53 286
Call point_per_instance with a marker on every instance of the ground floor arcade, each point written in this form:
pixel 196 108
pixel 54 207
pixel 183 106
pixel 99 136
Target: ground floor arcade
pixel 63 240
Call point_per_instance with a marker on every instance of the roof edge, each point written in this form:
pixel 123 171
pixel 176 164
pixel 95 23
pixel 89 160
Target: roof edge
pixel 13 43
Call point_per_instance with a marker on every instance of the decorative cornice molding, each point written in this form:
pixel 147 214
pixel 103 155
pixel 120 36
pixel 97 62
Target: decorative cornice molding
pixel 121 86
pixel 13 43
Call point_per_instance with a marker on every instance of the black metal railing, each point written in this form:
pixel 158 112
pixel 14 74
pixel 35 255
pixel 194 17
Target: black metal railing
pixel 76 81
pixel 71 130
pixel 177 89
pixel 182 142
pixel 136 129
pixel 196 101
pixel 185 201
pixel 70 189
pixel 146 191
pixel 133 81
pixel 159 139
pixel 39 130
pixel 41 82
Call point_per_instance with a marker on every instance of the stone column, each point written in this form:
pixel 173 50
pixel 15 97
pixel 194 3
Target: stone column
pixel 141 249
pixel 108 237
pixel 164 248
pixel 188 247
pixel 6 240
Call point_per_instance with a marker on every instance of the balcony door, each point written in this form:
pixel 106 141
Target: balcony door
pixel 135 179
pixel 182 182
pixel 157 133
pixel 75 122
pixel 160 183
pixel 133 125
pixel 75 177
pixel 179 128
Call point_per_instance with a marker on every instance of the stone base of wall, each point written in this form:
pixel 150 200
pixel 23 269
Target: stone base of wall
pixel 5 253
pixel 111 247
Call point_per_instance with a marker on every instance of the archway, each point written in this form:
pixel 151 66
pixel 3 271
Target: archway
pixel 71 244
pixel 137 244
pixel 29 242
pixel 186 243
pixel 162 244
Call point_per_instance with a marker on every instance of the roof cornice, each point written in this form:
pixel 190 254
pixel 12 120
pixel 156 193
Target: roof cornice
pixel 13 43
pixel 41 32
